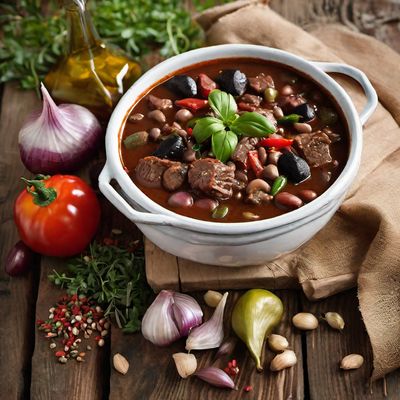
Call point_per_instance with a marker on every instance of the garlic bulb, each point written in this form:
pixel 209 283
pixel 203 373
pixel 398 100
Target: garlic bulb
pixel 60 138
pixel 305 321
pixel 334 320
pixel 158 325
pixel 211 333
pixel 212 298
pixel 283 360
pixel 352 361
pixel 171 316
pixel 277 343
pixel 186 364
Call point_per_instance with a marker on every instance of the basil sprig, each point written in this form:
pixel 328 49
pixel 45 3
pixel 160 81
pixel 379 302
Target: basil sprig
pixel 227 125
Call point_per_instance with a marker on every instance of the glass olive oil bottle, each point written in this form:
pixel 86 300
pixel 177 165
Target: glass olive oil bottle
pixel 92 74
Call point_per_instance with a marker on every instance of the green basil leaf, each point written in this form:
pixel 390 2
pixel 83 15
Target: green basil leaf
pixel 205 127
pixel 253 124
pixel 290 119
pixel 223 144
pixel 223 104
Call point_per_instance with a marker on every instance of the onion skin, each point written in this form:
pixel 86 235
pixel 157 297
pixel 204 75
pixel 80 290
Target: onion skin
pixel 19 259
pixel 60 139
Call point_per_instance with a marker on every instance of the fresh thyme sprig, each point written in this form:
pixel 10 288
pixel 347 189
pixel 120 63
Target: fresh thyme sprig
pixel 113 277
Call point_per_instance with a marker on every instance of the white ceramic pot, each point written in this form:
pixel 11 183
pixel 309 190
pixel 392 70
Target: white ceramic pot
pixel 244 243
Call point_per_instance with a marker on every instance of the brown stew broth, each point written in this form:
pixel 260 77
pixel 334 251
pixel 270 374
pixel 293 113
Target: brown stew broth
pixel 251 67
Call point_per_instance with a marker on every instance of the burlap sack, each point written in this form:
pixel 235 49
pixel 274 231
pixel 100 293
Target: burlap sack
pixel 361 244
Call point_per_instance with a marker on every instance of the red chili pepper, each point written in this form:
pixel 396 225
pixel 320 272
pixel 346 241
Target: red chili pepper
pixel 189 131
pixel 206 85
pixel 192 104
pixel 255 162
pixel 278 143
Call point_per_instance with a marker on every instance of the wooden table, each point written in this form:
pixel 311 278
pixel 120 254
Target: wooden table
pixel 29 370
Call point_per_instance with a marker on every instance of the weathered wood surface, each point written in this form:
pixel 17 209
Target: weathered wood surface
pixel 152 374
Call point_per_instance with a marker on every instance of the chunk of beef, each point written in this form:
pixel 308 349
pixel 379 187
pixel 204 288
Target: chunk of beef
pixel 212 177
pixel 314 148
pixel 239 156
pixel 174 177
pixel 149 170
pixel 268 114
pixel 333 136
pixel 261 82
pixel 155 103
pixel 250 99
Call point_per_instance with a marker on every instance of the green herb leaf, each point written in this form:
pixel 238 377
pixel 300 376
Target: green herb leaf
pixel 205 127
pixel 253 124
pixel 290 119
pixel 223 144
pixel 224 105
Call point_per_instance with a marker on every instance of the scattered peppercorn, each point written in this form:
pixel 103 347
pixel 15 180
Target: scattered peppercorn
pixel 248 388
pixel 232 369
pixel 69 319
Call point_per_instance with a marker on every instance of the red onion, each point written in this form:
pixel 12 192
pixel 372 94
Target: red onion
pixel 19 259
pixel 60 139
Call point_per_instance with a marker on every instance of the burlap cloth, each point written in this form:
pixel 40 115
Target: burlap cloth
pixel 361 244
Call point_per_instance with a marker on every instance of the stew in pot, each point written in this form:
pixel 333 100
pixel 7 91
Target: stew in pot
pixel 235 140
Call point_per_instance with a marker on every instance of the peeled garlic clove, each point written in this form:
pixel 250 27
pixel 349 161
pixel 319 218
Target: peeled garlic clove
pixel 305 321
pixel 185 364
pixel 334 320
pixel 212 298
pixel 120 363
pixel 210 334
pixel 352 361
pixel 277 343
pixel 283 360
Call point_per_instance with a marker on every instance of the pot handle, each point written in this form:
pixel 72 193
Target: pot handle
pixel 125 208
pixel 361 78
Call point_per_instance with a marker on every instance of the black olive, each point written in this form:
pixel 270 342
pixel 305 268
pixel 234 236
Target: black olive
pixel 183 85
pixel 293 167
pixel 172 148
pixel 306 111
pixel 232 81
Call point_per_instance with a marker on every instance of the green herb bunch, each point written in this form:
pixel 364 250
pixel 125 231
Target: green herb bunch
pixel 113 277
pixel 227 125
pixel 34 34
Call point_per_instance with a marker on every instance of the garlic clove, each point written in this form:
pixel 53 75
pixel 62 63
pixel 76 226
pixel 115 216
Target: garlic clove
pixel 227 347
pixel 187 313
pixel 216 377
pixel 120 363
pixel 212 298
pixel 334 320
pixel 305 321
pixel 211 333
pixel 283 360
pixel 158 325
pixel 352 361
pixel 186 364
pixel 277 343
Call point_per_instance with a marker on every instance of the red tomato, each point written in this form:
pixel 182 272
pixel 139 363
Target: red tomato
pixel 61 225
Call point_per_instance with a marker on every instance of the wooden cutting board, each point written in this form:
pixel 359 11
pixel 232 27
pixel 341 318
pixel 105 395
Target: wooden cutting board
pixel 165 271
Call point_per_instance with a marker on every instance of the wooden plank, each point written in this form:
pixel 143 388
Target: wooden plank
pixel 17 295
pixel 50 379
pixel 152 373
pixel 326 347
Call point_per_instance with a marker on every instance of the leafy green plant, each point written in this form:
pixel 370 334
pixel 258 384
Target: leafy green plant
pixel 113 277
pixel 227 125
pixel 34 36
